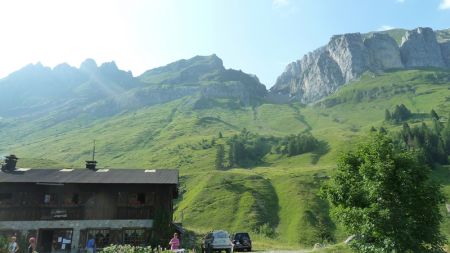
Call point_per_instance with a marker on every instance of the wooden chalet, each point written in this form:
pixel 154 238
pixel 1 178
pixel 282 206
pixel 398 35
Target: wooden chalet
pixel 63 207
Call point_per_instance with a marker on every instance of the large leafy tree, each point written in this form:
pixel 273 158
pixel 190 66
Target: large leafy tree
pixel 386 198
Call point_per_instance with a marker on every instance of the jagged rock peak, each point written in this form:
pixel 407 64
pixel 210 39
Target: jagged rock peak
pixel 212 61
pixel 419 48
pixel 109 66
pixel 88 65
pixel 186 70
pixel 349 52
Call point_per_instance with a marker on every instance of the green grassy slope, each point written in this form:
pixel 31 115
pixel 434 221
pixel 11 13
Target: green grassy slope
pixel 281 192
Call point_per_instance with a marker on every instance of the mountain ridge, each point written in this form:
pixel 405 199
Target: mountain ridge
pixel 346 57
pixel 102 90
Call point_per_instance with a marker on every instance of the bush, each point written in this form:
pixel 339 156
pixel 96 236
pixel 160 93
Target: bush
pixel 387 199
pixel 3 244
pixel 266 230
pixel 130 249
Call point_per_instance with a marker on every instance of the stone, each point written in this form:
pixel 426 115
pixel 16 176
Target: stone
pixel 349 239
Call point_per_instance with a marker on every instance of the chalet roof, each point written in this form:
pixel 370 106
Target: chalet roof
pixel 86 176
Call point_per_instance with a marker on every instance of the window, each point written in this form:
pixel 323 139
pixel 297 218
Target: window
pixel 135 199
pixel 122 198
pixel 5 196
pixel 101 236
pixel 75 199
pixel 47 198
pixel 50 198
pixel 141 198
pixel 71 198
pixel 135 237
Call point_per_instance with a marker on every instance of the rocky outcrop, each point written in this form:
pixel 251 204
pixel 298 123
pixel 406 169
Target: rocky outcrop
pixel 346 57
pixel 384 52
pixel 445 50
pixel 324 75
pixel 420 48
pixel 349 52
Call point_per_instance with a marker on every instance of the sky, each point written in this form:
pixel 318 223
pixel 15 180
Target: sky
pixel 257 36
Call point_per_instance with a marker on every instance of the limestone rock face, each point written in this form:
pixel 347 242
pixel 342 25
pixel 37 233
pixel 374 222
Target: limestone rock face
pixel 445 50
pixel 287 81
pixel 346 57
pixel 384 52
pixel 349 52
pixel 324 76
pixel 420 48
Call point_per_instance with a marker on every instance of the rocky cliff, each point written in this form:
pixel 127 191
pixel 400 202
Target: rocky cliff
pixel 346 57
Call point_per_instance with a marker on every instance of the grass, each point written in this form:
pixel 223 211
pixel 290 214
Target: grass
pixel 281 192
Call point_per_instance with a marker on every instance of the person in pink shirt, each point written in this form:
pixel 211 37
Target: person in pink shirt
pixel 174 242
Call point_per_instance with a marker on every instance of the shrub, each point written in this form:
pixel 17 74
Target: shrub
pixel 130 249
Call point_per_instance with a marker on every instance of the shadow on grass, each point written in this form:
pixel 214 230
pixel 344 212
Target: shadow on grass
pixel 322 149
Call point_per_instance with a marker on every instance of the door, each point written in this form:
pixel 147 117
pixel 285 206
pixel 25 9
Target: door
pixel 45 240
pixel 54 240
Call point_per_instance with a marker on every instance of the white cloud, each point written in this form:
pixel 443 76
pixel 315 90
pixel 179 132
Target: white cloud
pixel 385 28
pixel 445 5
pixel 280 3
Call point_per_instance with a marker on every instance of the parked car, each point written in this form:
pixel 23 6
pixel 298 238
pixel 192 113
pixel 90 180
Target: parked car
pixel 217 240
pixel 242 241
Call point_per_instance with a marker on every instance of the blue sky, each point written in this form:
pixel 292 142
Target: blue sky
pixel 258 36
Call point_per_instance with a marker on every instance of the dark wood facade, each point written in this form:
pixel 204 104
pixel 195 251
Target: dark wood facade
pixel 27 201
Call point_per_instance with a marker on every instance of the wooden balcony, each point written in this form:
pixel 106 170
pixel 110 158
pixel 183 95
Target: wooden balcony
pixel 16 213
pixel 41 213
pixel 135 212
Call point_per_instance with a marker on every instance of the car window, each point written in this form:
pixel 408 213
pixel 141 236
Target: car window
pixel 221 235
pixel 242 236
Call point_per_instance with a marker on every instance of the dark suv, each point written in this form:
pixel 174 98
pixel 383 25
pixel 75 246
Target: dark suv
pixel 242 241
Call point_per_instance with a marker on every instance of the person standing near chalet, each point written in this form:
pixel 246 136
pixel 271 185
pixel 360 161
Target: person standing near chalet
pixel 13 247
pixel 174 242
pixel 90 245
pixel 32 246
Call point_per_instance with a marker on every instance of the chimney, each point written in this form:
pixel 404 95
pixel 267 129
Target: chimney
pixel 91 165
pixel 10 163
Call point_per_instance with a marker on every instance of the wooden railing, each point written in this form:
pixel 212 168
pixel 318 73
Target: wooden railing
pixel 41 213
pixel 69 213
pixel 135 212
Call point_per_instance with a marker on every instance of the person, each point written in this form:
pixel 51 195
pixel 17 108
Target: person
pixel 13 247
pixel 90 245
pixel 174 242
pixel 32 245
